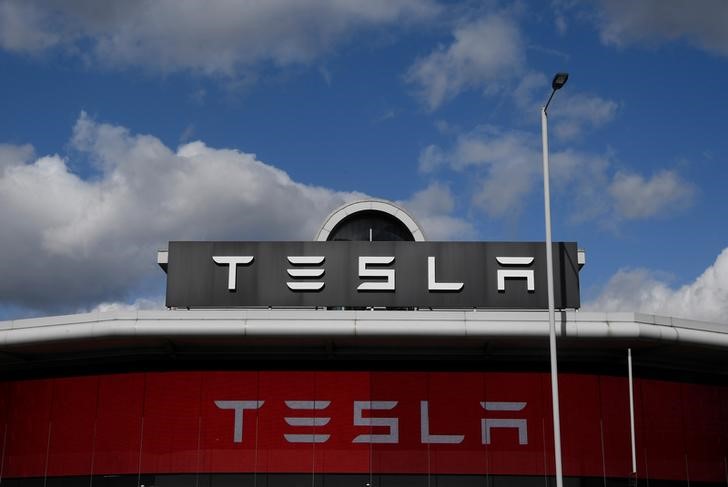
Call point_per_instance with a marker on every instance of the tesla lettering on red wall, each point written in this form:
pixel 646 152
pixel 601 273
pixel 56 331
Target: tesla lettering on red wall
pixel 388 426
pixel 285 421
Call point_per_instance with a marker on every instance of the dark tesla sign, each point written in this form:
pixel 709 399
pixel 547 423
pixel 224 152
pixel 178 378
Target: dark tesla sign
pixel 506 275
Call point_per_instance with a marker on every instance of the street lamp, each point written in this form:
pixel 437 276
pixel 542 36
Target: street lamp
pixel 558 82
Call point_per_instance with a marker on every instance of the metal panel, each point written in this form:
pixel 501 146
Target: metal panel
pixel 195 280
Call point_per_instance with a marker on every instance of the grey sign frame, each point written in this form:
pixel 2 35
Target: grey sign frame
pixel 195 280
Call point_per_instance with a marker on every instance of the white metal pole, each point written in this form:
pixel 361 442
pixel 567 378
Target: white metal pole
pixel 631 412
pixel 552 313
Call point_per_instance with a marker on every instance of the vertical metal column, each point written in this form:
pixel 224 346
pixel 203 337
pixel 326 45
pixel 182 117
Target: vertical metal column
pixel 552 318
pixel 631 412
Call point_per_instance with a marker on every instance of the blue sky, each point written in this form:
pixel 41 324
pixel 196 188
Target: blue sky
pixel 129 124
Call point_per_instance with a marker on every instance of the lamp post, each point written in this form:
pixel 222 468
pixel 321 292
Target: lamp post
pixel 558 82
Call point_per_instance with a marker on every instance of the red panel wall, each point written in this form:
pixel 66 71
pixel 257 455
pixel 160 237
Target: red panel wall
pixel 433 422
pixel 72 423
pixel 28 428
pixel 119 423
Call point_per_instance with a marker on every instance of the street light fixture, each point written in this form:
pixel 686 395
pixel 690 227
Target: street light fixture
pixel 558 82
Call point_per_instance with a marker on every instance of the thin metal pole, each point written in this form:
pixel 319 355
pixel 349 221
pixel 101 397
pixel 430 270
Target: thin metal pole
pixel 552 318
pixel 631 412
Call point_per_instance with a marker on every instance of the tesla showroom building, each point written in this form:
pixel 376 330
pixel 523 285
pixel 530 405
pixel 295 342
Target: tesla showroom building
pixel 367 357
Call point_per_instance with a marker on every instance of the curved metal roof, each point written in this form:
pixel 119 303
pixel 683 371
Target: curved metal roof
pixel 387 207
pixel 285 334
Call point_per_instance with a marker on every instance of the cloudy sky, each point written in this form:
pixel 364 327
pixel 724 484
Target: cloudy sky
pixel 128 124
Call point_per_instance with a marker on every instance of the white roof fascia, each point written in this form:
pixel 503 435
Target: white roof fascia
pixel 358 324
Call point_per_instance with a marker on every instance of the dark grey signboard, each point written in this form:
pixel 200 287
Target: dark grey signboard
pixel 504 275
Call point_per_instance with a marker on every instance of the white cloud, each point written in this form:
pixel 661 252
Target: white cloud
pixel 579 111
pixel 214 37
pixel 70 243
pixel 706 298
pixel 581 177
pixel 559 9
pixel 433 208
pixel 637 198
pixel 530 92
pixel 512 169
pixel 15 154
pixel 483 55
pixel 505 166
pixel 575 113
pixel 137 304
pixel 703 23
pixel 21 28
pixel 560 24
pixel 431 158
pixel 508 166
